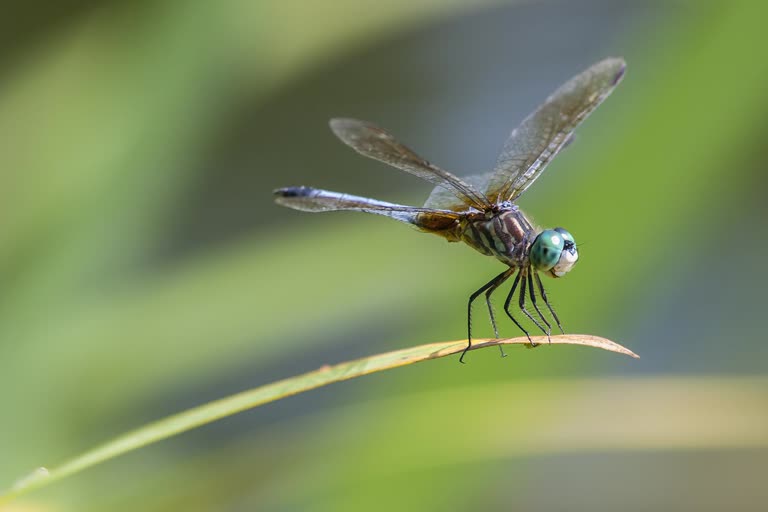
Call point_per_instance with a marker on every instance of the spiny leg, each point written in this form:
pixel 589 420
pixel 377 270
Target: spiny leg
pixel 521 303
pixel 544 296
pixel 493 283
pixel 536 306
pixel 488 293
pixel 509 300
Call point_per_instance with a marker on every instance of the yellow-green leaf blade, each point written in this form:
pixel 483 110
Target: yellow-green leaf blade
pixel 255 397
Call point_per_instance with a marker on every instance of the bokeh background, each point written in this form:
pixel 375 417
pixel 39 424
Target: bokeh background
pixel 145 268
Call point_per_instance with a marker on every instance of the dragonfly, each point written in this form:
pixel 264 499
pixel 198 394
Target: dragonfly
pixel 481 210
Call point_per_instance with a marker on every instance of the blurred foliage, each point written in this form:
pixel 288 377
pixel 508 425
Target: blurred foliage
pixel 108 117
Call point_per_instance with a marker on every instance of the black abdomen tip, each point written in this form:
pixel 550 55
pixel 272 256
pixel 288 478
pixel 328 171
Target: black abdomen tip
pixel 620 73
pixel 292 191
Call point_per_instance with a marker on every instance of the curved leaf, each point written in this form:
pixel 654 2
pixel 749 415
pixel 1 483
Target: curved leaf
pixel 245 400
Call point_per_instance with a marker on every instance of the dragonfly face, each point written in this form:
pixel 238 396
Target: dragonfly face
pixel 480 210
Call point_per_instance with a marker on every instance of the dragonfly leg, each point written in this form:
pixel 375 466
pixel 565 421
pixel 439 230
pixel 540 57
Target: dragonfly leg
pixel 488 293
pixel 492 285
pixel 532 293
pixel 544 296
pixel 521 303
pixel 509 300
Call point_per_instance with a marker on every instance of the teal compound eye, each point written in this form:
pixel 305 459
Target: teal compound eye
pixel 567 237
pixel 546 249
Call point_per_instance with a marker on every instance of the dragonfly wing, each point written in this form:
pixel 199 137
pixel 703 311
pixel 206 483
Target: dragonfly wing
pixel 541 136
pixel 442 199
pixel 309 199
pixel 374 142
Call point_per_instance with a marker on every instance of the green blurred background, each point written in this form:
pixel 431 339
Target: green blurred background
pixel 145 269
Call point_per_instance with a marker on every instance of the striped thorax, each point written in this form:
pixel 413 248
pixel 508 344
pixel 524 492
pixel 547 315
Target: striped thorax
pixel 505 235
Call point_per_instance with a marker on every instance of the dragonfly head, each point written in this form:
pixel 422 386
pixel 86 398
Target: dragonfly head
pixel 554 252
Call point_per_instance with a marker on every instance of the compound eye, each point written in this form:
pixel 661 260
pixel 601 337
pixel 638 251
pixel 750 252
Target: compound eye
pixel 546 249
pixel 567 236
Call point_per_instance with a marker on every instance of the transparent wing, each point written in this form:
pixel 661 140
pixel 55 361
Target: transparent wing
pixel 443 199
pixel 309 199
pixel 533 144
pixel 371 141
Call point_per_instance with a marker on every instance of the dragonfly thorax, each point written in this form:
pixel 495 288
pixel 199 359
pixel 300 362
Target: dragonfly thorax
pixel 505 235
